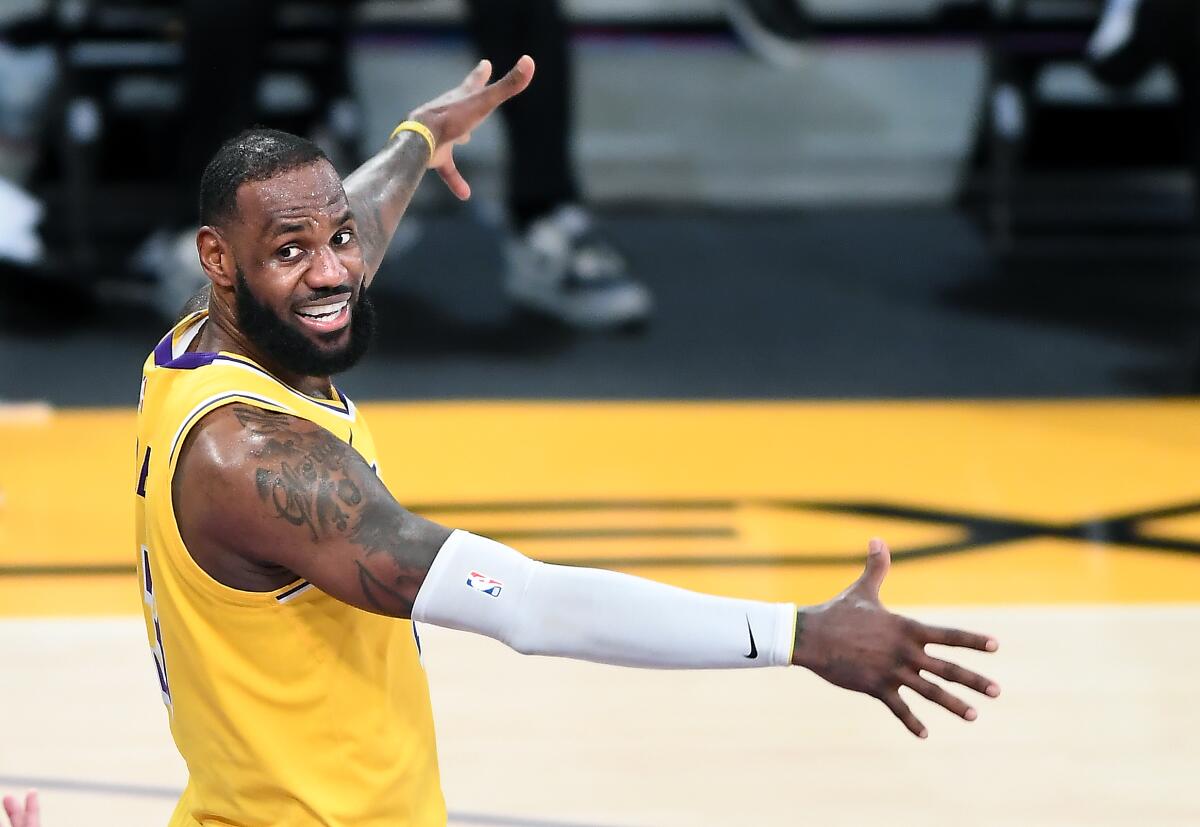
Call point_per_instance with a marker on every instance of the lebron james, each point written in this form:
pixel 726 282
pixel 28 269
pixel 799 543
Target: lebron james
pixel 280 578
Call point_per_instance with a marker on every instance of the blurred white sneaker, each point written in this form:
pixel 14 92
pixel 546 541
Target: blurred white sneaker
pixel 561 268
pixel 19 239
pixel 171 261
pixel 775 30
pixel 1115 29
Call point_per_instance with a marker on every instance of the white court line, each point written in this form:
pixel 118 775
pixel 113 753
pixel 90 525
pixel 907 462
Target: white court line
pixel 25 413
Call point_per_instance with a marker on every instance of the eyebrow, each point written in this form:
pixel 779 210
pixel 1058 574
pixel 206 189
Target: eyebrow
pixel 284 229
pixel 297 227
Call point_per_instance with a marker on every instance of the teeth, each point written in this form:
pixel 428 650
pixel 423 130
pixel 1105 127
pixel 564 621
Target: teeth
pixel 323 311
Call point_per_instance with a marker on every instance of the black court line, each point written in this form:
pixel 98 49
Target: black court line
pixel 979 532
pixel 20 782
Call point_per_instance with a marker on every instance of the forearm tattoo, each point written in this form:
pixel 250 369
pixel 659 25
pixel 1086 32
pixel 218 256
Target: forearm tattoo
pixel 316 482
pixel 379 192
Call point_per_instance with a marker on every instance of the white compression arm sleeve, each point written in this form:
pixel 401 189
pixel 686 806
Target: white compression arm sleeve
pixel 479 585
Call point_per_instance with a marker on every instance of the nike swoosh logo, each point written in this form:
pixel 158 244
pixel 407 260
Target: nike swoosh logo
pixel 753 649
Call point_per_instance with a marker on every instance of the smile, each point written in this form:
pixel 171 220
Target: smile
pixel 327 317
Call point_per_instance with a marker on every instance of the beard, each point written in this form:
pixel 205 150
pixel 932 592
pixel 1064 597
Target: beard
pixel 289 347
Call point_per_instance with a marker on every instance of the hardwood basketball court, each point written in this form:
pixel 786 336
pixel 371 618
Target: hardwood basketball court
pixel 1070 530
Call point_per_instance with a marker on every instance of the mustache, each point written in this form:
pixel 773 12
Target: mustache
pixel 328 293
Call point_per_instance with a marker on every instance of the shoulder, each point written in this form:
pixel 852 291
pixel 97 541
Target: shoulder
pixel 240 458
pixel 238 433
pixel 238 449
pixel 248 479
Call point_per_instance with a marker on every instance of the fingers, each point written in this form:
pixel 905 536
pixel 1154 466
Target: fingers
pixel 899 708
pixel 513 83
pixel 879 562
pixel 478 77
pixel 454 180
pixel 22 817
pixel 938 695
pixel 956 637
pixel 953 672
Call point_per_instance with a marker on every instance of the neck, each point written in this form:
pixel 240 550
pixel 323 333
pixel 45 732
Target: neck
pixel 222 334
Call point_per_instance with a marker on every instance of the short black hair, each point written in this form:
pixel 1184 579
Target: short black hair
pixel 256 154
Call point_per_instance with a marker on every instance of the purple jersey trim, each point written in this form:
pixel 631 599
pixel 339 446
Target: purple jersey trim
pixel 188 361
pixel 165 349
pixel 162 352
pixel 185 361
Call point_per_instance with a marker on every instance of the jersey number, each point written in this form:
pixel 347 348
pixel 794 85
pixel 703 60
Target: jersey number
pixel 160 659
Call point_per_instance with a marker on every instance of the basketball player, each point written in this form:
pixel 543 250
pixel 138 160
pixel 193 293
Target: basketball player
pixel 280 577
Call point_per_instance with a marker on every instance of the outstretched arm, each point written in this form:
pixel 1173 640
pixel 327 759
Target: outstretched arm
pixel 379 191
pixel 281 491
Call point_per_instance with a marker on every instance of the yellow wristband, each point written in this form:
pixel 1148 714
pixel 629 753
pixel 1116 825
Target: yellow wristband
pixel 421 129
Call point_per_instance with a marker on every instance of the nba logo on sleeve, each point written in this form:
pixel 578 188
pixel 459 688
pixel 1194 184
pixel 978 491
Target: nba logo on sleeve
pixel 483 583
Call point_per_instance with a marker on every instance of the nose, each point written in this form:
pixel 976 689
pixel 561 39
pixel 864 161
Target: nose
pixel 326 270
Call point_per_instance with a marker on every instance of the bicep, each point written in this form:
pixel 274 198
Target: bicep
pixel 282 491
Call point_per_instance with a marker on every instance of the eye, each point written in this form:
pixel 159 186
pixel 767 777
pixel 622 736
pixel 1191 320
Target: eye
pixel 342 237
pixel 290 252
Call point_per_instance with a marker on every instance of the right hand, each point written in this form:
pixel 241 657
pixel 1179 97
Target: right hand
pixel 452 115
pixel 853 642
pixel 27 816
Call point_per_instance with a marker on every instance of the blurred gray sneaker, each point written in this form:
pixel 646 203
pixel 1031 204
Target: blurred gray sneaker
pixel 775 30
pixel 560 267
pixel 170 260
pixel 1115 29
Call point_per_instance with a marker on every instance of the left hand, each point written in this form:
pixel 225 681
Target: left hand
pixel 453 115
pixel 27 816
pixel 854 642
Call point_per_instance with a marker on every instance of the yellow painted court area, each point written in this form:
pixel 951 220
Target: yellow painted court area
pixel 998 502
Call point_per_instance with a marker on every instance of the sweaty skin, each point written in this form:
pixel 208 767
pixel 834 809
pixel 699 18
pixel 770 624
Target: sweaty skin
pixel 265 498
pixel 296 242
pixel 300 235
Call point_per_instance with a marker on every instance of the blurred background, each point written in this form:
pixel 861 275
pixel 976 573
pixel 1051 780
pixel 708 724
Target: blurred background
pixel 742 283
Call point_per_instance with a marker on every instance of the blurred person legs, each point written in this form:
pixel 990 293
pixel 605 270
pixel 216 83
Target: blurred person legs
pixel 1122 46
pixel 28 72
pixel 1134 35
pixel 555 260
pixel 222 64
pixel 775 30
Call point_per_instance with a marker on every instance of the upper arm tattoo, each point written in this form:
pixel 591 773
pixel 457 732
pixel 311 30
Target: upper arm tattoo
pixel 310 479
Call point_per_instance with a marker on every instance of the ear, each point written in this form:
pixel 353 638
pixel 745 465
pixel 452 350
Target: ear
pixel 216 257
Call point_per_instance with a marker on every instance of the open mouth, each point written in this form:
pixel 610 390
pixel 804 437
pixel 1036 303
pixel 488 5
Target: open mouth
pixel 326 317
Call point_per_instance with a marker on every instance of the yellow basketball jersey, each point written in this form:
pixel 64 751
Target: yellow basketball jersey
pixel 289 707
